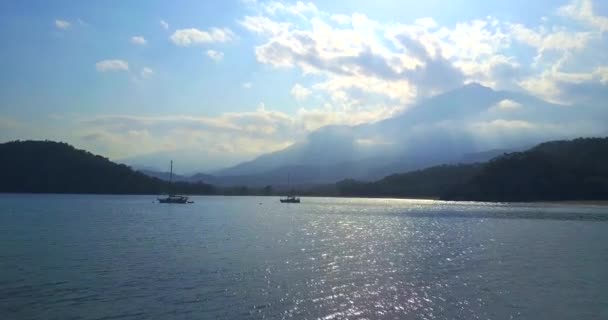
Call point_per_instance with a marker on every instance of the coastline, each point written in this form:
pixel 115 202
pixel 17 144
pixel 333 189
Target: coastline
pixel 596 203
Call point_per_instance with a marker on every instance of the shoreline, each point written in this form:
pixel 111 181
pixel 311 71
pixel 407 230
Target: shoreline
pixel 598 203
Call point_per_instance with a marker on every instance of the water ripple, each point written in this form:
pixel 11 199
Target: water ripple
pixel 111 257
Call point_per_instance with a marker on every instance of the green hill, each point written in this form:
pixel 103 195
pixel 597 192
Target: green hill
pixel 54 167
pixel 557 170
pixel 428 183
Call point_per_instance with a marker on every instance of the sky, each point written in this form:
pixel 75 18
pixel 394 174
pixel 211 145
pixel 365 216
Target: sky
pixel 213 83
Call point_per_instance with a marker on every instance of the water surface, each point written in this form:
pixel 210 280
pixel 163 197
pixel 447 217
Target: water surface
pixel 126 257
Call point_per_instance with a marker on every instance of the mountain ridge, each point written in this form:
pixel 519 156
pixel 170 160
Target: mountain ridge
pixel 56 167
pixel 551 171
pixel 440 129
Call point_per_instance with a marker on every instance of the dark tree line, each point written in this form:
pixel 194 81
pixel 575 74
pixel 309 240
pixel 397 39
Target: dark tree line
pixel 55 167
pixel 558 170
pixel 428 183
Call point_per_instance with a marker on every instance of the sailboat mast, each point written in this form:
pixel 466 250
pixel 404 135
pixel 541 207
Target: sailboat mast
pixel 171 173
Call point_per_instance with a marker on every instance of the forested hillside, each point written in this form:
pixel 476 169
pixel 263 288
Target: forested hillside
pixel 551 171
pixel 558 170
pixel 55 167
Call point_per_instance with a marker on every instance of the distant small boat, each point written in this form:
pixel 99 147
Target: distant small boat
pixel 290 198
pixel 172 198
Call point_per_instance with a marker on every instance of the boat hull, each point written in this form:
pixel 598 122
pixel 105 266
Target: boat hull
pixel 171 201
pixel 178 200
pixel 290 201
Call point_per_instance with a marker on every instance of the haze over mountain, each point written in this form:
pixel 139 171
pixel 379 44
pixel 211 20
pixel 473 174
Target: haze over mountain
pixel 460 126
pixel 334 88
pixel 551 171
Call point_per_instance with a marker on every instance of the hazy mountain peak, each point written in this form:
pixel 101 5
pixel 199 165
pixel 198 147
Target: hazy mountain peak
pixel 440 129
pixel 476 85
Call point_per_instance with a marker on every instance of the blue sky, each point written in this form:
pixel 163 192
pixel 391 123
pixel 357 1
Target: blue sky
pixel 229 80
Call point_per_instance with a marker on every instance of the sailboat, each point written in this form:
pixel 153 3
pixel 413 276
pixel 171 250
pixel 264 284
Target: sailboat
pixel 290 198
pixel 172 198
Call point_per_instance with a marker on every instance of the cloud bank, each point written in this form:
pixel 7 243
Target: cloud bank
pixel 351 69
pixel 112 65
pixel 62 24
pixel 193 36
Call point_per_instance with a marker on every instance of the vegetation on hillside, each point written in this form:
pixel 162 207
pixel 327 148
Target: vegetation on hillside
pixel 54 167
pixel 558 170
pixel 428 183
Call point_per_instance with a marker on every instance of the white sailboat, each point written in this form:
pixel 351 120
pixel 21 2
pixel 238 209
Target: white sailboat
pixel 291 198
pixel 173 198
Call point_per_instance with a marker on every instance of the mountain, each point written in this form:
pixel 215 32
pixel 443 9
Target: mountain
pixel 164 175
pixel 551 171
pixel 469 124
pixel 189 161
pixel 426 183
pixel 54 167
pixel 485 155
pixel 558 170
pixel 195 178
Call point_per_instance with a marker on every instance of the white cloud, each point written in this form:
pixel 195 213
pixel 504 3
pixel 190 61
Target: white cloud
pixel 146 72
pixel 506 129
pixel 350 52
pixel 428 22
pixel 471 40
pixel 311 119
pixel 506 105
pixel 566 88
pixel 300 92
pixel 9 123
pixel 138 40
pixel 335 53
pixel 263 25
pixel 261 122
pixel 238 136
pixel 498 132
pixel 62 24
pixel 561 83
pixel 193 36
pixel 298 8
pixel 565 66
pixel 341 18
pixel 164 24
pixel 230 135
pixel 357 62
pixel 216 56
pixel 602 74
pixel 112 65
pixel 362 70
pixel 582 10
pixel 556 40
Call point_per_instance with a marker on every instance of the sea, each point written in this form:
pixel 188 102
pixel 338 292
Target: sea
pixel 128 257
